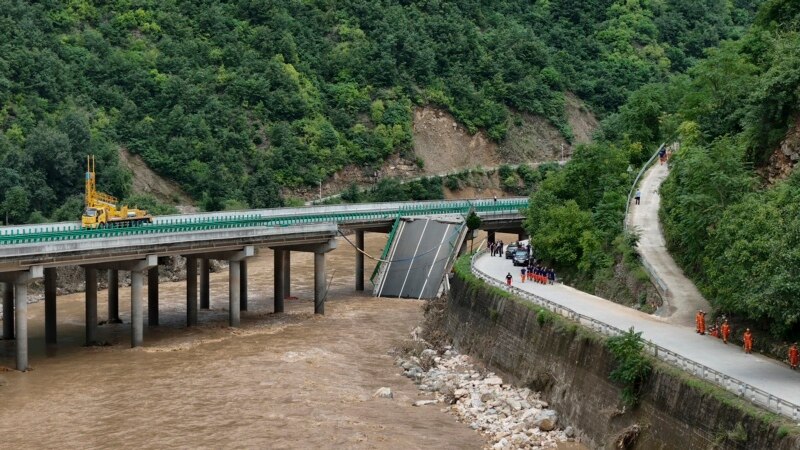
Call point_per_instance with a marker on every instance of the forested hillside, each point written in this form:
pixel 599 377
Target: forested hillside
pixel 237 99
pixel 734 229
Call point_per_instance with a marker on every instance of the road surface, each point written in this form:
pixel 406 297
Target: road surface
pixel 761 372
pixel 682 299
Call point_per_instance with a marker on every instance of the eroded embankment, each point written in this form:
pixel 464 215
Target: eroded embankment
pixel 571 367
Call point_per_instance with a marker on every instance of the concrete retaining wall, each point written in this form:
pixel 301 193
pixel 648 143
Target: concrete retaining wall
pixel 571 367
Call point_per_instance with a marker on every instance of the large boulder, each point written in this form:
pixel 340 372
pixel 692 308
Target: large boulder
pixel 545 420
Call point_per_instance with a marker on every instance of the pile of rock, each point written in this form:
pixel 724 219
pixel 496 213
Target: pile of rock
pixel 510 417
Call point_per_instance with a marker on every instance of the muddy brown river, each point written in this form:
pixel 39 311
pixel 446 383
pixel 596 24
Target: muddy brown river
pixel 292 380
pixel 280 381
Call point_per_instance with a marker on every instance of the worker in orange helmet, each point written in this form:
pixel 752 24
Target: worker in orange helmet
pixel 794 356
pixel 748 341
pixel 702 322
pixel 726 331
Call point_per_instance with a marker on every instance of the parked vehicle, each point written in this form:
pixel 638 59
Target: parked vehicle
pixel 521 258
pixel 510 249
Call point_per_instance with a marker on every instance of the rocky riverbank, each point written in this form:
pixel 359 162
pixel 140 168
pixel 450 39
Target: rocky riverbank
pixel 508 416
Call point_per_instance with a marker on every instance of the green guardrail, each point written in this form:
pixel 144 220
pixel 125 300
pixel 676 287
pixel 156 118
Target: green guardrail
pixel 61 233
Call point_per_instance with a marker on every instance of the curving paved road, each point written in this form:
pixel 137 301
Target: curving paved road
pixel 682 299
pixel 764 373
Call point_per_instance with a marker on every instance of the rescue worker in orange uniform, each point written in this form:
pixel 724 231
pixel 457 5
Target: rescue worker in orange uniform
pixel 509 278
pixel 748 341
pixel 726 331
pixel 697 321
pixel 714 331
pixel 702 322
pixel 794 356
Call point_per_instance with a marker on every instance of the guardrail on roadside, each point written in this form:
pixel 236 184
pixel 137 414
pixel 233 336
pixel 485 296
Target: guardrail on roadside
pixel 731 384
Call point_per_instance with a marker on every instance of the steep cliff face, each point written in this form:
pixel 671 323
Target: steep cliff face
pixel 571 366
pixel 785 157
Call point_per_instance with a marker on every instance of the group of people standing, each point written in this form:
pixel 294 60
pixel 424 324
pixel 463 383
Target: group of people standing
pixel 538 274
pixel 496 248
pixel 723 331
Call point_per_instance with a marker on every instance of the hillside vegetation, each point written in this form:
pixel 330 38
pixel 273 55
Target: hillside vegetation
pixel 235 100
pixel 735 234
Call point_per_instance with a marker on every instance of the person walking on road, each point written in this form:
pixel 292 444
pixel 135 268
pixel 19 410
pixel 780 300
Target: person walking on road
pixel 522 273
pixel 794 356
pixel 748 341
pixel 638 196
pixel 697 322
pixel 508 279
pixel 702 322
pixel 726 331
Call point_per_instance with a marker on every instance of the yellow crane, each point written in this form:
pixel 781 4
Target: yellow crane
pixel 102 210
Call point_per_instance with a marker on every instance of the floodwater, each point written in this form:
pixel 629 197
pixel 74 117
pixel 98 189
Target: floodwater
pixel 291 380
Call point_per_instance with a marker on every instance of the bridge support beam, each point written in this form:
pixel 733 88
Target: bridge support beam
pixel 8 310
pixel 91 305
pixel 279 271
pixel 113 296
pixel 243 285
pixel 491 237
pixel 137 321
pixel 191 291
pixel 20 310
pixel 287 274
pixel 205 269
pixel 50 332
pixel 152 297
pixel 522 236
pixel 233 280
pixel 320 291
pixel 234 286
pixel 137 269
pixel 359 260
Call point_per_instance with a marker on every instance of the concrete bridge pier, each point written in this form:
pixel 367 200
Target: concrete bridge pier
pixel 8 310
pixel 234 283
pixel 491 236
pixel 320 289
pixel 205 271
pixel 152 297
pixel 91 305
pixel 279 272
pixel 137 269
pixel 287 274
pixel 191 291
pixel 243 285
pixel 113 296
pixel 20 310
pixel 50 330
pixel 359 260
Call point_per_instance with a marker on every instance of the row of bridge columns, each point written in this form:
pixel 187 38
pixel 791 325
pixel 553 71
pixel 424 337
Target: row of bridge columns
pixel 14 293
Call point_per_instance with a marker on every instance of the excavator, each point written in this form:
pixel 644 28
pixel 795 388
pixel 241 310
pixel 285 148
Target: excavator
pixel 102 210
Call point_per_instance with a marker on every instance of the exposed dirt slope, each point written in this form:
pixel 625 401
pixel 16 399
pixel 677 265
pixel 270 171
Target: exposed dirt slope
pixel 785 157
pixel 145 181
pixel 445 145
